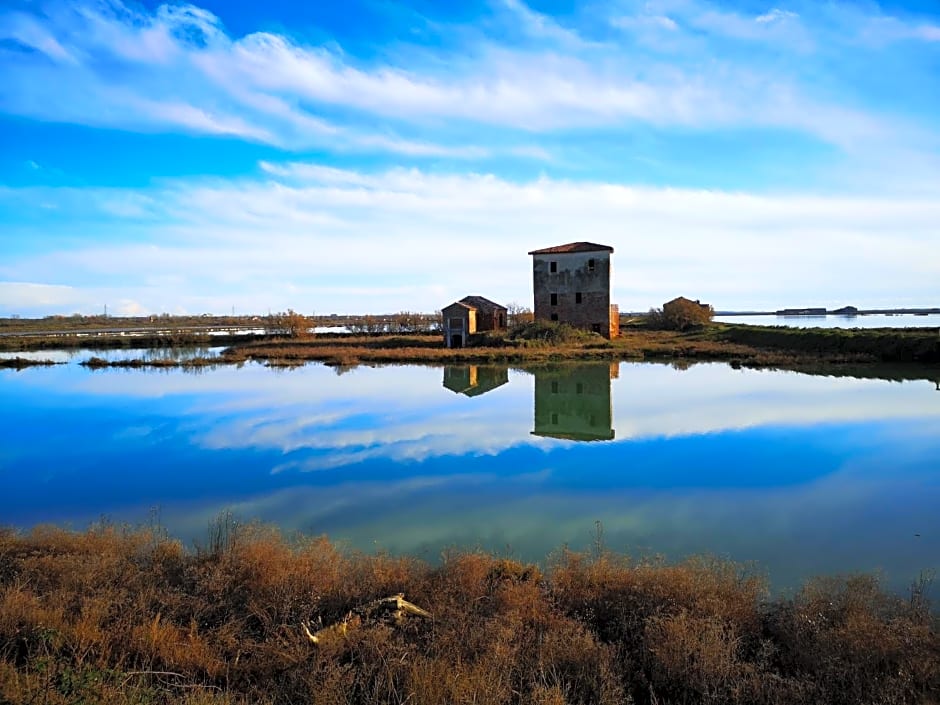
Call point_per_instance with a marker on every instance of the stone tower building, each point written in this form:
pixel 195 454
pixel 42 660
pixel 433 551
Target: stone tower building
pixel 571 284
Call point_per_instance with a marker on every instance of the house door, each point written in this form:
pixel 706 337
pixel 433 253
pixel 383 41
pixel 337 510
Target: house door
pixel 456 341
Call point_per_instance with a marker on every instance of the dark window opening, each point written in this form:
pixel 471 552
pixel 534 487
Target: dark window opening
pixel 554 298
pixel 590 265
pixel 596 327
pixel 580 388
pixel 456 341
pixel 554 316
pixel 553 267
pixel 554 387
pixel 554 419
pixel 577 297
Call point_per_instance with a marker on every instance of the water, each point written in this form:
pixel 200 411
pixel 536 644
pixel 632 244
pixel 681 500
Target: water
pixel 801 474
pixel 79 355
pixel 905 320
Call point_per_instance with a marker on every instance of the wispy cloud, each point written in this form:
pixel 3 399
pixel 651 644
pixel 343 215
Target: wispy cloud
pixel 177 68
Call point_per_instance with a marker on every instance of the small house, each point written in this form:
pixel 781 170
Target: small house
pixel 471 315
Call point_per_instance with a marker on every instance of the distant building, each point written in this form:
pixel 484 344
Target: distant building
pixel 471 315
pixel 681 300
pixel 571 284
pixel 474 380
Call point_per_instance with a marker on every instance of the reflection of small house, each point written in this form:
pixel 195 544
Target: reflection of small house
pixel 474 380
pixel 571 284
pixel 469 316
pixel 573 401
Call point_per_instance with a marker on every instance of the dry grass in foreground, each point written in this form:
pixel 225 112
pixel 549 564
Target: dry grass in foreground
pixel 127 616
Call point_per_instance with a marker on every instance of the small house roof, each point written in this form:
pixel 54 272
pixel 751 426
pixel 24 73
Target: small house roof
pixel 682 299
pixel 481 303
pixel 572 247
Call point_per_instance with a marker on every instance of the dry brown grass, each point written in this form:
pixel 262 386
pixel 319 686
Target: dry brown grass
pixel 115 615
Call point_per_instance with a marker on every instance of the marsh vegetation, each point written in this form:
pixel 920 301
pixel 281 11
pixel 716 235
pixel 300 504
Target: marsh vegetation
pixel 130 616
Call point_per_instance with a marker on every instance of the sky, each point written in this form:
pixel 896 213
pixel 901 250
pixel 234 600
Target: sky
pixel 374 156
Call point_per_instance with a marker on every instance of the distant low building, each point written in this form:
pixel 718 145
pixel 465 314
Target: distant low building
pixel 681 300
pixel 471 315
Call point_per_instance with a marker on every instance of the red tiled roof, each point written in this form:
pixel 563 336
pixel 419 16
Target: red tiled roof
pixel 480 303
pixel 573 247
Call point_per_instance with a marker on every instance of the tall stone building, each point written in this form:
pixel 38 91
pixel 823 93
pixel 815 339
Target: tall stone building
pixel 571 284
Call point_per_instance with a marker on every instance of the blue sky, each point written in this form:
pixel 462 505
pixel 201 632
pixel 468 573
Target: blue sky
pixel 378 156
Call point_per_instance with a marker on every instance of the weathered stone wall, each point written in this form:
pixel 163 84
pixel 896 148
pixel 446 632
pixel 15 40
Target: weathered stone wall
pixel 458 321
pixel 574 276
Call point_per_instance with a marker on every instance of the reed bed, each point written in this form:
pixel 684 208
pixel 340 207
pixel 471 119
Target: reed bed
pixel 122 615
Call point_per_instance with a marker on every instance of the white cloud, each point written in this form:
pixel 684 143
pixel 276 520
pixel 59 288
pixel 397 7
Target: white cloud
pixel 661 22
pixel 320 238
pixel 776 15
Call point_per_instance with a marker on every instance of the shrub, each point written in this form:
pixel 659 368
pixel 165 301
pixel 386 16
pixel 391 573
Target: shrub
pixel 680 314
pixel 551 333
pixel 292 324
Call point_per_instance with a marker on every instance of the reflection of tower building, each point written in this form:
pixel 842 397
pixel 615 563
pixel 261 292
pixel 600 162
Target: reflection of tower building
pixel 474 380
pixel 573 401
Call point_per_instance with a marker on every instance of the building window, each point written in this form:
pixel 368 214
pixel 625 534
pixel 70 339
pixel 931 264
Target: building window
pixel 554 316
pixel 555 387
pixel 554 299
pixel 553 267
pixel 577 297
pixel 590 265
pixel 580 388
pixel 554 419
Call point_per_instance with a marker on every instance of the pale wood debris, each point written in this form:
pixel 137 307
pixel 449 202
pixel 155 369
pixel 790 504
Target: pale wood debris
pixel 394 608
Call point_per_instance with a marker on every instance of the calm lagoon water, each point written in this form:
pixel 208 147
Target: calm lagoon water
pixel 906 320
pixel 802 474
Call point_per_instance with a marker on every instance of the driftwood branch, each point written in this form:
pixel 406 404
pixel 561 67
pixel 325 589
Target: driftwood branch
pixel 393 609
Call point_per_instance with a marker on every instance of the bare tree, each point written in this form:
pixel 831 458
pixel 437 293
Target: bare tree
pixel 292 324
pixel 519 314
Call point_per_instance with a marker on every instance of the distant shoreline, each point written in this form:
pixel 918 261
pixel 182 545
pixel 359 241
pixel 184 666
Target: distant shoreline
pixel 786 313
pixel 736 344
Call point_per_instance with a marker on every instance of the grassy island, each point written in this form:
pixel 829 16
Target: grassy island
pixel 129 616
pixel 751 346
pixel 803 349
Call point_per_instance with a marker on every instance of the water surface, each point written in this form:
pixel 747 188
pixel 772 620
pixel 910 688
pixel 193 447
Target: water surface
pixel 802 474
pixel 898 320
